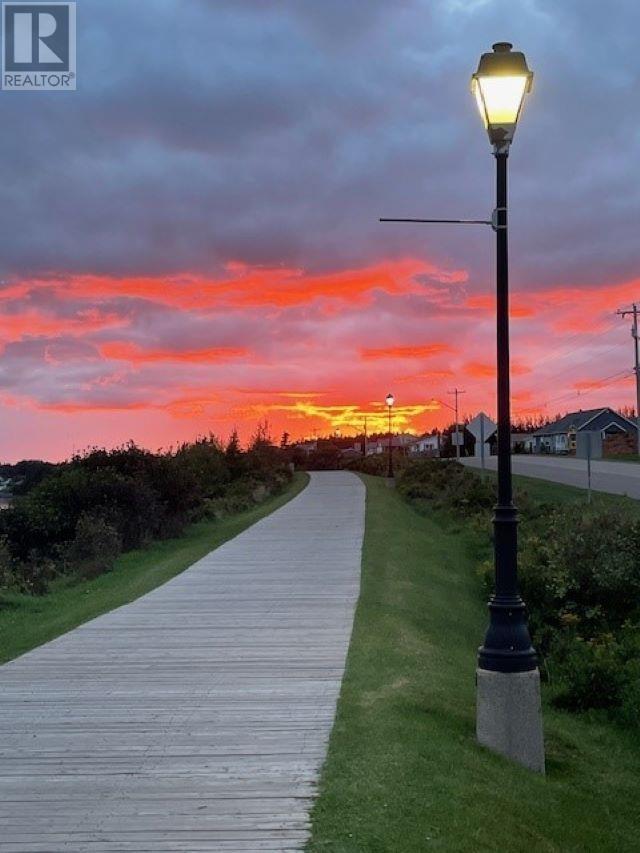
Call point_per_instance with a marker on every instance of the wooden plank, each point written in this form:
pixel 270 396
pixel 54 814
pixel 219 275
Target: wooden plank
pixel 197 717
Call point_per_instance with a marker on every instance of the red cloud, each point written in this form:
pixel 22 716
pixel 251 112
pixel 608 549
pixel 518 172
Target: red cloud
pixel 246 286
pixel 308 336
pixel 15 327
pixel 123 351
pixel 417 351
pixel 481 370
pixel 487 304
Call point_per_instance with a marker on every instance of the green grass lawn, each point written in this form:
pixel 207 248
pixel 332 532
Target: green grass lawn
pixel 28 621
pixel 404 772
pixel 548 492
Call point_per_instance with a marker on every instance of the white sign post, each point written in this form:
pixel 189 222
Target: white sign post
pixel 481 428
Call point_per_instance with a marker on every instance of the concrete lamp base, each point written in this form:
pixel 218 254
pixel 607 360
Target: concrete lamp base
pixel 509 716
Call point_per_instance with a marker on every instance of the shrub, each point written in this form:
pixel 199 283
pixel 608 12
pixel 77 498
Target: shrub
pixel 34 574
pixel 79 516
pixel 48 515
pixel 205 468
pixel 26 474
pixel 244 494
pixel 585 566
pixel 7 565
pixel 95 547
pixel 589 673
pixel 237 498
pixel 326 457
pixel 378 464
pixel 602 673
pixel 447 485
pixel 580 578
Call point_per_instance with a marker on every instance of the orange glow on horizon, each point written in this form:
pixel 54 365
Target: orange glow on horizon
pixel 98 359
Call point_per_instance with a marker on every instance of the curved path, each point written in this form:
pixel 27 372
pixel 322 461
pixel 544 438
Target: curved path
pixel 197 717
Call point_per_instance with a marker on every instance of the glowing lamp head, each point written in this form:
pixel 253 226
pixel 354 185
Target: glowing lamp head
pixel 499 85
pixel 390 400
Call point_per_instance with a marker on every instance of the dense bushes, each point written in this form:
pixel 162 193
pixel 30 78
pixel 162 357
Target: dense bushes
pixel 26 474
pixel 582 569
pixel 377 464
pixel 601 672
pixel 78 517
pixel 580 578
pixel 445 484
pixel 95 547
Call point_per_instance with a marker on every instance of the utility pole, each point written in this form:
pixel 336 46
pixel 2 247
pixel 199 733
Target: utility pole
pixel 456 392
pixel 634 334
pixel 364 443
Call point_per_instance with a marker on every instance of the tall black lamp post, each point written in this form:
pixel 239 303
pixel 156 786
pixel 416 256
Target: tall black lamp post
pixel 509 718
pixel 390 401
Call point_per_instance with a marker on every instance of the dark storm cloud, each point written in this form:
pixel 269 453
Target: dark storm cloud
pixel 278 132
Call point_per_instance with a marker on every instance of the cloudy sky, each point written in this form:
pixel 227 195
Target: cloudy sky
pixel 189 242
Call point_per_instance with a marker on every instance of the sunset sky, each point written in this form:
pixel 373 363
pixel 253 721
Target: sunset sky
pixel 190 242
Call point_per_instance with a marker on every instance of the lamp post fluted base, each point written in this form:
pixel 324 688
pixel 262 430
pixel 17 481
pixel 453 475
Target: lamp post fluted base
pixel 507 645
pixel 509 716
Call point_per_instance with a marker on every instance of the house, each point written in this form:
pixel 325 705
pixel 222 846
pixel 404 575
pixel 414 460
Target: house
pixel 350 453
pixel 566 434
pixel 521 442
pixel 307 447
pixel 400 443
pixel 426 445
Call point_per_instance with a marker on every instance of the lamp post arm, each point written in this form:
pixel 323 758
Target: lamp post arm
pixel 442 221
pixel 494 222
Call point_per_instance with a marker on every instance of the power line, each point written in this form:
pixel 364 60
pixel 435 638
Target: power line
pixel 607 380
pixel 601 383
pixel 586 361
pixel 589 337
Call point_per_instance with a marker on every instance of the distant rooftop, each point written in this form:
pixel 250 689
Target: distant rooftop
pixel 574 420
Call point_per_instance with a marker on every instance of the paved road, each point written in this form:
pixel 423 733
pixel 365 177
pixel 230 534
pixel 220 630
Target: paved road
pixel 618 478
pixel 197 717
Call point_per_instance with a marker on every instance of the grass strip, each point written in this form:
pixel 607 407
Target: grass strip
pixel 404 772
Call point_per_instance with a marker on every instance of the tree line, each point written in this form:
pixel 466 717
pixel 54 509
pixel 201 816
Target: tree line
pixel 74 518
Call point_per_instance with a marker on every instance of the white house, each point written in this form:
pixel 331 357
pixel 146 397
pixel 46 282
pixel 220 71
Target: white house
pixel 402 441
pixel 428 445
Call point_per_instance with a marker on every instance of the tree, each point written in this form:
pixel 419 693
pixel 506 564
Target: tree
pixel 262 436
pixel 234 456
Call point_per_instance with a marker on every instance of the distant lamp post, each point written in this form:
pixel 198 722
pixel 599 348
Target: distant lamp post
pixel 390 400
pixel 509 717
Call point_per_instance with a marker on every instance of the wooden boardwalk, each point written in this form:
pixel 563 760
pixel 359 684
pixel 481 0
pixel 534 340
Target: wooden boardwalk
pixel 197 717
